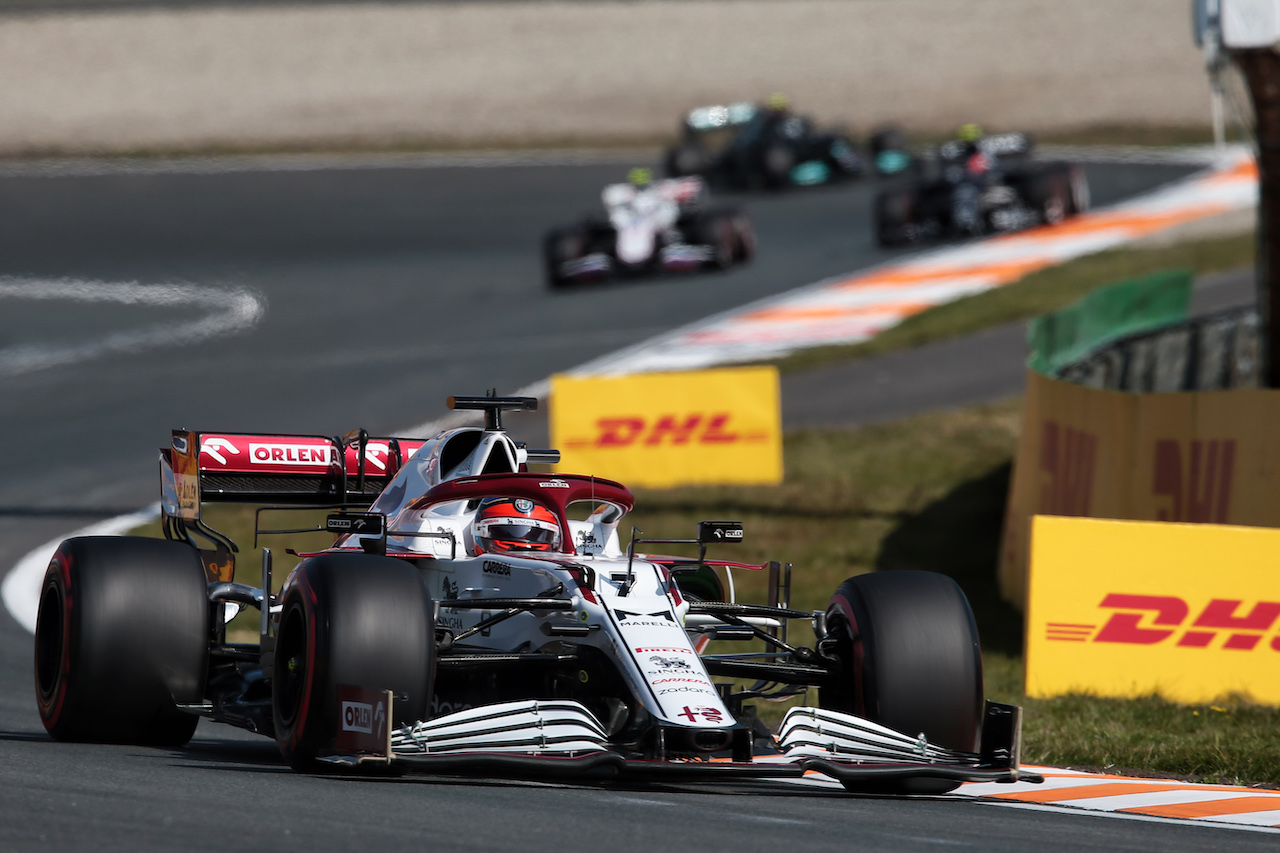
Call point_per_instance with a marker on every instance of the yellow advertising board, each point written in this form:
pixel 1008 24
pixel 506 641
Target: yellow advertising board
pixel 1189 612
pixel 667 429
pixel 1207 457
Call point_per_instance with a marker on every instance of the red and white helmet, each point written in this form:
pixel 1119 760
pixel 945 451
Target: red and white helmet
pixel 516 524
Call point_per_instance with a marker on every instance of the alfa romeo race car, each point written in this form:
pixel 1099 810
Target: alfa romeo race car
pixel 970 187
pixel 648 227
pixel 745 146
pixel 474 617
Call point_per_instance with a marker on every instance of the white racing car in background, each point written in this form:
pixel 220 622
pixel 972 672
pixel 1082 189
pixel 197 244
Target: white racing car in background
pixel 472 617
pixel 648 227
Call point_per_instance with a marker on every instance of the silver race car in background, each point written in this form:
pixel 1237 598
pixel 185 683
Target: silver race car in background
pixel 473 617
pixel 648 227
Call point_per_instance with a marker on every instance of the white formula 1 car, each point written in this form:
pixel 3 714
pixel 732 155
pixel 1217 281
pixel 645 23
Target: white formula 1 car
pixel 472 617
pixel 648 228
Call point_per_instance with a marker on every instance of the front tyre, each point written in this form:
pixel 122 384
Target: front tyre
pixel 122 637
pixel 355 619
pixel 908 657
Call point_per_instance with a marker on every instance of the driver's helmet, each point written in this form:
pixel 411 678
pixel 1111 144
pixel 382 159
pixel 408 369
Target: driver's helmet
pixel 640 177
pixel 969 133
pixel 505 525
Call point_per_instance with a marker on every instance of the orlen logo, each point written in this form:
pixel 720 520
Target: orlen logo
pixel 1147 620
pixel 290 454
pixel 703 428
pixel 361 717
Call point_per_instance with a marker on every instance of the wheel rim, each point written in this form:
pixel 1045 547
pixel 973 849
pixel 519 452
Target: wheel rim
pixel 50 644
pixel 291 676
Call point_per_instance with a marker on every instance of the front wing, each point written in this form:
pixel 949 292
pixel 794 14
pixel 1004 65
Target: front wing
pixel 562 739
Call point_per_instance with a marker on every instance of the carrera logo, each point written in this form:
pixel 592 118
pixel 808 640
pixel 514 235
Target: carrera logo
pixel 290 454
pixel 696 428
pixel 363 718
pixel 1148 620
pixel 700 681
pixel 493 568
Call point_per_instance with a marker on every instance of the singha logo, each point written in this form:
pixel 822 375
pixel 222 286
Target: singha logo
pixel 668 664
pixel 450 590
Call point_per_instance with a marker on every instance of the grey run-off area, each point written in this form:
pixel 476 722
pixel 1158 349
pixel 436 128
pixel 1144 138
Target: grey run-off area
pixel 184 77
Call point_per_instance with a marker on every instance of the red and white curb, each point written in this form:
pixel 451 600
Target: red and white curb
pixel 1223 806
pixel 852 308
pixel 1127 795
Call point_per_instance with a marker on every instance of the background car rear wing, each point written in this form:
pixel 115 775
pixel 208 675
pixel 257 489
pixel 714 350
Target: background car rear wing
pixel 719 115
pixel 303 470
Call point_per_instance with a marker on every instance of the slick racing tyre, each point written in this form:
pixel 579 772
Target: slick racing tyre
pixel 1057 192
pixel 1079 189
pixel 894 211
pixel 353 619
pixel 684 160
pixel 744 237
pixel 908 657
pixel 889 154
pixel 776 163
pixel 561 245
pixel 122 634
pixel 719 233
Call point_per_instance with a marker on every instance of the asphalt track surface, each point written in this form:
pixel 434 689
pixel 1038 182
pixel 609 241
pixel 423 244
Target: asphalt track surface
pixel 387 289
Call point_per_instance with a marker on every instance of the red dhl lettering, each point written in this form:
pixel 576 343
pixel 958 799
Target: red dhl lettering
pixel 667 430
pixel 1068 459
pixel 1199 491
pixel 1148 620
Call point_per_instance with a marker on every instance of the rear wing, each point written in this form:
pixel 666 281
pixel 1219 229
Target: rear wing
pixel 719 115
pixel 301 470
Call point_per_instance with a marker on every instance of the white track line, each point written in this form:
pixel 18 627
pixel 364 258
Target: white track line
pixel 227 311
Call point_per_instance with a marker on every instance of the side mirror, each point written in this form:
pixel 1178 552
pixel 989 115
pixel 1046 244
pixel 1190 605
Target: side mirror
pixel 716 532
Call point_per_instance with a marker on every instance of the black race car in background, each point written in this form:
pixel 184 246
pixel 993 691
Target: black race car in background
pixel 982 184
pixel 746 146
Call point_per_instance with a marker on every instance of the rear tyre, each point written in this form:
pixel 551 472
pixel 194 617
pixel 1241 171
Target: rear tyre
pixel 684 160
pixel 1079 190
pixel 559 246
pixel 776 163
pixel 908 658
pixel 717 231
pixel 744 237
pixel 889 154
pixel 122 636
pixel 894 211
pixel 1053 194
pixel 354 619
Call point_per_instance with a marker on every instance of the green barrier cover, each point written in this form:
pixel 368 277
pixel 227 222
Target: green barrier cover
pixel 1108 314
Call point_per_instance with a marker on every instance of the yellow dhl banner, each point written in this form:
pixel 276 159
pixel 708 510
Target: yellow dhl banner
pixel 668 429
pixel 1189 612
pixel 1206 457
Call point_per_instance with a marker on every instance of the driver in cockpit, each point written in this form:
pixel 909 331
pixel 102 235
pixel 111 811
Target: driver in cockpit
pixel 514 525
